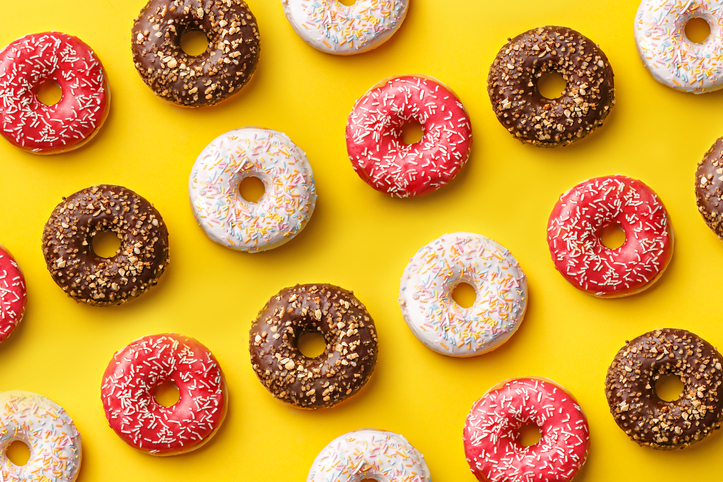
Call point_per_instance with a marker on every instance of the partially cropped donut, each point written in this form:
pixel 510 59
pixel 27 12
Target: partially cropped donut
pixel 335 28
pixel 670 57
pixel 425 294
pixel 374 136
pixel 339 372
pixel 576 224
pixel 492 432
pixel 132 411
pixel 202 80
pixel 709 187
pixel 534 119
pixel 278 216
pixel 13 294
pixel 369 455
pixel 34 59
pixel 637 408
pixel 86 277
pixel 48 431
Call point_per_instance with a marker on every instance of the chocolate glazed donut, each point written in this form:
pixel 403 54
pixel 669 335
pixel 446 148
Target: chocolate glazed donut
pixel 709 187
pixel 85 276
pixel 534 119
pixel 206 79
pixel 637 409
pixel 339 372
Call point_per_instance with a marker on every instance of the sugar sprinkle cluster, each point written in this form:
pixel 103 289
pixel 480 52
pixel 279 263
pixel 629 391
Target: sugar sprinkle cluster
pixel 669 55
pixel 426 301
pixel 134 373
pixel 28 62
pixel 369 454
pixel 333 27
pixel 281 213
pixel 573 235
pixel 13 295
pixel 48 431
pixel 491 434
pixel 374 136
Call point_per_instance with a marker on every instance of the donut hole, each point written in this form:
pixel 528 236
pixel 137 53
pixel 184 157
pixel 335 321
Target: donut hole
pixel 697 30
pixel 106 243
pixel 669 388
pixel 312 344
pixel 18 452
pixel 612 236
pixel 551 85
pixel 530 434
pixel 194 42
pixel 166 394
pixel 48 92
pixel 464 295
pixel 412 132
pixel 251 189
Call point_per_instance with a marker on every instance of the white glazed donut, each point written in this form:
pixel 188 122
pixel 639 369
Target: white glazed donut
pixel 425 294
pixel 335 28
pixel 369 454
pixel 289 190
pixel 48 431
pixel 669 55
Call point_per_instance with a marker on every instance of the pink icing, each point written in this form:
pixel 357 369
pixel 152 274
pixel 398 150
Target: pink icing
pixel 491 434
pixel 573 235
pixel 13 295
pixel 132 411
pixel 373 136
pixel 47 129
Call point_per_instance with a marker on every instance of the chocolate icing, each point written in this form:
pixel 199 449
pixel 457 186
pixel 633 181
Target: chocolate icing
pixel 645 417
pixel 709 187
pixel 206 79
pixel 85 276
pixel 339 372
pixel 534 119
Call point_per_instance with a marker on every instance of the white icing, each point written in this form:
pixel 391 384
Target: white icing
pixel 47 429
pixel 669 55
pixel 335 28
pixel 369 454
pixel 289 190
pixel 425 294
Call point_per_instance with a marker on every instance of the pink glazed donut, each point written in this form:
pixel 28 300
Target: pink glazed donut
pixel 13 295
pixel 374 130
pixel 50 129
pixel 575 225
pixel 492 431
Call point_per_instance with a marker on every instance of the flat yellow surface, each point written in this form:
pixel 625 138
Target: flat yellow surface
pixel 361 240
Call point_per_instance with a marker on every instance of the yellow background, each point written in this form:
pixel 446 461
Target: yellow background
pixel 361 240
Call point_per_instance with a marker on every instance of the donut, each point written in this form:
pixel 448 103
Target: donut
pixel 670 57
pixel 13 294
pixel 369 455
pixel 347 362
pixel 492 431
pixel 89 278
pixel 639 411
pixel 534 119
pixel 709 187
pixel 281 213
pixel 48 431
pixel 51 129
pixel 425 294
pixel 334 28
pixel 202 80
pixel 128 389
pixel 374 130
pixel 580 215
